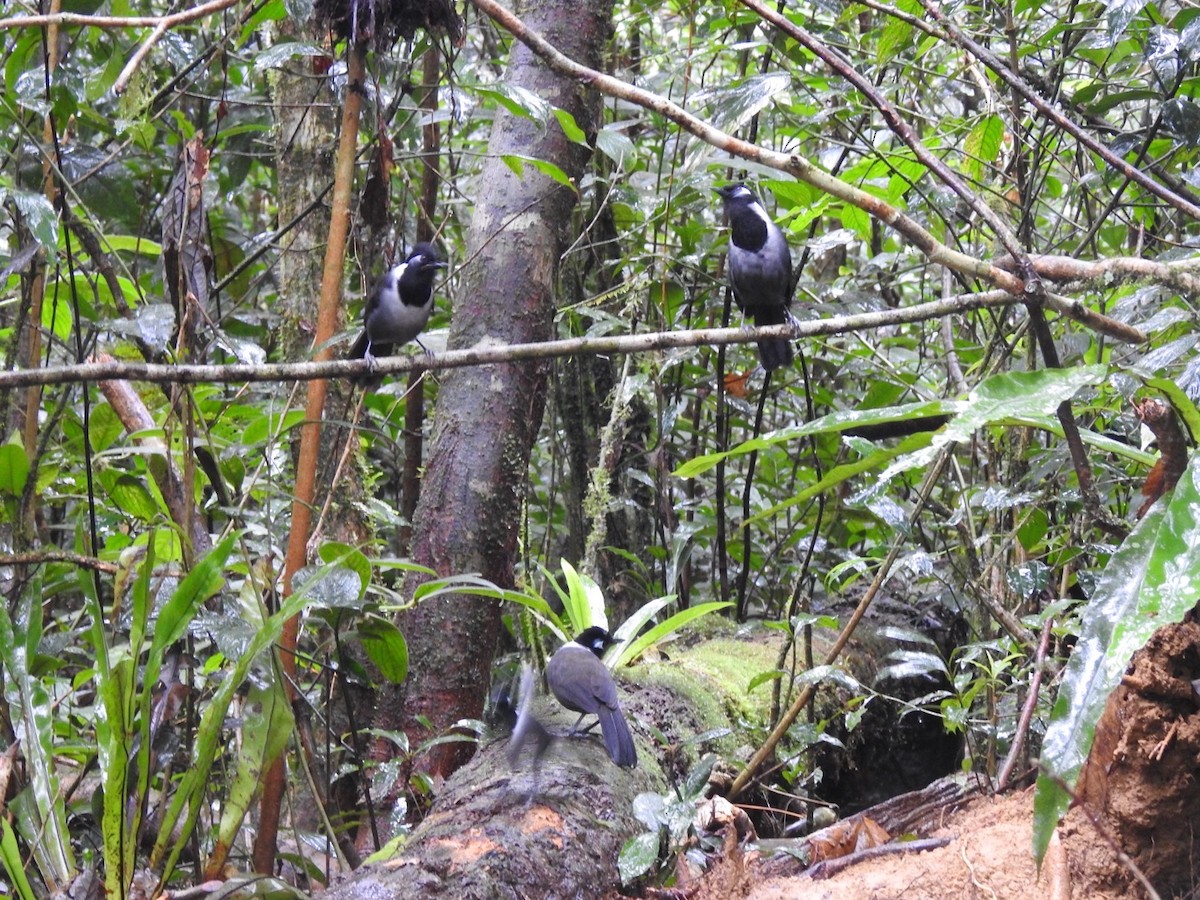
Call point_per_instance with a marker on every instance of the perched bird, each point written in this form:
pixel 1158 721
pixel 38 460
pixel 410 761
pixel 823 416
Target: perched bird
pixel 582 683
pixel 760 269
pixel 398 307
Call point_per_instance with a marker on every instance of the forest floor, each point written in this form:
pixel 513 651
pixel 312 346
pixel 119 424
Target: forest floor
pixel 1138 808
pixel 989 855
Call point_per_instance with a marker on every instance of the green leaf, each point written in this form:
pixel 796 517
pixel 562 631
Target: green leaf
pixel 56 316
pixel 43 817
pixel 128 494
pixel 14 466
pixel 385 645
pixel 14 865
pixel 632 626
pixel 1000 398
pixel 570 127
pixel 41 219
pixel 667 627
pixel 519 101
pixel 983 146
pixel 272 11
pixel 206 578
pixel 638 856
pixel 695 785
pixel 1152 580
pixel 517 163
pixel 834 422
pixel 733 106
pixel 897 34
pixel 132 243
pixel 266 727
pixel 857 220
pixel 841 474
pixel 348 557
pixel 332 586
pixel 763 678
pixel 1120 14
pixel 285 51
pixel 583 603
pixel 208 742
pixel 616 146
pixel 1181 403
pixel 270 426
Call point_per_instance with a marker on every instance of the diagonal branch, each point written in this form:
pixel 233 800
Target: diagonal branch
pixel 793 164
pixel 1046 109
pixel 842 67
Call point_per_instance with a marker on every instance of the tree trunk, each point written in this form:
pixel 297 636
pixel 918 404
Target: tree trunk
pixel 497 832
pixel 488 417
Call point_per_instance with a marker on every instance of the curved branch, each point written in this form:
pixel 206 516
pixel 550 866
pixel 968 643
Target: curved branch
pixel 42 557
pixel 1181 275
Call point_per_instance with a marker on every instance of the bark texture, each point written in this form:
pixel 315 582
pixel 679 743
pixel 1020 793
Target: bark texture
pixel 487 418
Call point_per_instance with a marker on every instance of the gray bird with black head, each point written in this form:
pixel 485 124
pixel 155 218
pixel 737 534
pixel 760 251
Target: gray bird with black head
pixel 760 269
pixel 581 681
pixel 398 308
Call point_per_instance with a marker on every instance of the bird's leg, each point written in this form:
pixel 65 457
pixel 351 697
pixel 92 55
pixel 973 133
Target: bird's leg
pixel 369 356
pixel 576 730
pixel 428 352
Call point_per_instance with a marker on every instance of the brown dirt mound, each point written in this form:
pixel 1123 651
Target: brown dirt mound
pixel 989 856
pixel 1139 786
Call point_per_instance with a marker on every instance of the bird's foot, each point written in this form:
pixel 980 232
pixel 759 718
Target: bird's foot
pixel 428 352
pixel 372 363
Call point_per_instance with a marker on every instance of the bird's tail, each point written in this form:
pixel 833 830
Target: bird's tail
pixel 775 352
pixel 359 349
pixel 617 739
pixel 527 730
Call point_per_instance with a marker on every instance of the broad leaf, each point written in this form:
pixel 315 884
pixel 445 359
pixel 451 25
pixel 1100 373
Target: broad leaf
pixel 1152 580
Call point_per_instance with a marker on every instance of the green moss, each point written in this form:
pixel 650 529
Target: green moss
pixel 710 679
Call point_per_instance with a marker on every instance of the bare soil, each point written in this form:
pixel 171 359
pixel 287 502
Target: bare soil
pixel 989 856
pixel 1138 808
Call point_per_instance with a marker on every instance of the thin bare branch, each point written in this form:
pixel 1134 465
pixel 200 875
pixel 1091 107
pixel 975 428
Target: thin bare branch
pixel 169 21
pixel 491 355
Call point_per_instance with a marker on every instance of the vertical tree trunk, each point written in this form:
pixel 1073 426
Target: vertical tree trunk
pixel 488 417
